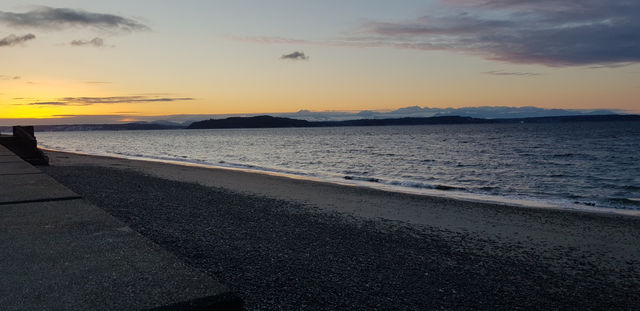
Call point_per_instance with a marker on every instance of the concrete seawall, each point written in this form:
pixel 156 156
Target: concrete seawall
pixel 23 144
pixel 60 252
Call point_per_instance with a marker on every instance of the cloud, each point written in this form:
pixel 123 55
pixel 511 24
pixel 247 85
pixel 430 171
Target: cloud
pixel 87 101
pixel 3 77
pixel 12 39
pixel 121 99
pixel 47 104
pixel 44 17
pixel 511 73
pixel 96 42
pixel 546 32
pixel 295 56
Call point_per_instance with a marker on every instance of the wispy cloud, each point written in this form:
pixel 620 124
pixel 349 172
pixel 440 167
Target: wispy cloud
pixel 87 101
pixel 95 42
pixel 47 104
pixel 121 99
pixel 3 77
pixel 297 55
pixel 12 39
pixel 511 73
pixel 45 17
pixel 547 32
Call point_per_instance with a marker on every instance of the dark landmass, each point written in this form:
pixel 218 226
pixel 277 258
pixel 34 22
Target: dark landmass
pixel 250 122
pixel 270 122
pixel 590 118
pixel 273 122
pixel 280 122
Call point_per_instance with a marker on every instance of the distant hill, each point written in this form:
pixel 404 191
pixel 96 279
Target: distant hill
pixel 271 122
pixel 483 112
pixel 274 122
pixel 581 118
pixel 250 122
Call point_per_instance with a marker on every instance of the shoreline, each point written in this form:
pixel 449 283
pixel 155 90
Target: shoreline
pixel 483 219
pixel 455 195
pixel 288 244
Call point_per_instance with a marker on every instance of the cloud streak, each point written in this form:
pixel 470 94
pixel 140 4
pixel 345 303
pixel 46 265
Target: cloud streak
pixel 12 39
pixel 511 73
pixel 45 17
pixel 297 55
pixel 95 42
pixel 88 101
pixel 546 32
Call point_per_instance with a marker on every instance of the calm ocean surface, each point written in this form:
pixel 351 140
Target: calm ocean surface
pixel 572 165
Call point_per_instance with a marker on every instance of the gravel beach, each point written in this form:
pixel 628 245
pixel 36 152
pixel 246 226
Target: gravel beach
pixel 345 248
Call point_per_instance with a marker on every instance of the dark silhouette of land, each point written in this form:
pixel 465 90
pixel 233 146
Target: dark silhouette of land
pixel 276 122
pixel 273 122
pixel 270 122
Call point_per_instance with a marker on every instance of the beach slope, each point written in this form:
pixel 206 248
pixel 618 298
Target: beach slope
pixel 285 243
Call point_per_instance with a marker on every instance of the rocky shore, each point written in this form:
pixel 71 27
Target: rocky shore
pixel 280 254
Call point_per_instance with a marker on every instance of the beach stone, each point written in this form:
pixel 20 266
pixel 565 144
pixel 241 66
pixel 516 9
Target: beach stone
pixel 285 255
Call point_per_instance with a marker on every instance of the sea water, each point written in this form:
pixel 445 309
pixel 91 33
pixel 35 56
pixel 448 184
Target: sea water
pixel 576 165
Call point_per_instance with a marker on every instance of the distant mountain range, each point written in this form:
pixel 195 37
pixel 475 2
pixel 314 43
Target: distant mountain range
pixel 275 122
pixel 484 112
pixel 183 120
pixel 305 118
pixel 271 122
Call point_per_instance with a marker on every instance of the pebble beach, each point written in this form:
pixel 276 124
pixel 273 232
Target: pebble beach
pixel 293 244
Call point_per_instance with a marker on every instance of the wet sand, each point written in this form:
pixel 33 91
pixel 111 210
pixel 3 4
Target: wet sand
pixel 285 243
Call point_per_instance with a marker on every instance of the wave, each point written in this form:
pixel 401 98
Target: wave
pixel 421 185
pixel 627 203
pixel 369 179
pixel 429 182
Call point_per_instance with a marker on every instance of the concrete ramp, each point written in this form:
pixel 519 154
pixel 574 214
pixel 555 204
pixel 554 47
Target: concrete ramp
pixel 7 158
pixel 27 188
pixel 17 168
pixel 4 151
pixel 60 252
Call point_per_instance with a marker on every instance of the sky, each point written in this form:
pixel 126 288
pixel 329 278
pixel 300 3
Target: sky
pixel 125 60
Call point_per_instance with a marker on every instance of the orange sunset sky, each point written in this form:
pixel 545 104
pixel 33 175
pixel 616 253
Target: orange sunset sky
pixel 158 58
